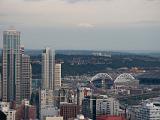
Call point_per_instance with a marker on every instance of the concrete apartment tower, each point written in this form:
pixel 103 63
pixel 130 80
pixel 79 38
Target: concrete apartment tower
pixel 47 69
pixel 11 66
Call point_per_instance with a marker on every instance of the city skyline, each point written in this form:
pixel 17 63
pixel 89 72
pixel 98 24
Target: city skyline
pixel 84 24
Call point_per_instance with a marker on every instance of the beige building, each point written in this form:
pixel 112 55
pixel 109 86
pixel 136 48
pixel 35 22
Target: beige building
pixel 54 118
pixel 57 76
pixel 47 69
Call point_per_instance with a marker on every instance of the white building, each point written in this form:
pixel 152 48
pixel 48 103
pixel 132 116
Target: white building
pixel 47 69
pixel 107 105
pixel 10 113
pixel 93 106
pixel 57 76
pixel 46 97
pixel 47 108
pixel 148 111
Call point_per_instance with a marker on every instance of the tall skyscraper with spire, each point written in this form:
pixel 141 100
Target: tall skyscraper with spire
pixel 47 69
pixel 11 66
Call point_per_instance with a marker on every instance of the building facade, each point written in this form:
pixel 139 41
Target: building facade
pixel 148 111
pixel 47 69
pixel 26 111
pixel 11 66
pixel 46 97
pixel 81 93
pixel 5 108
pixel 47 108
pixel 93 106
pixel 54 118
pixel 69 110
pixel 26 77
pixel 57 76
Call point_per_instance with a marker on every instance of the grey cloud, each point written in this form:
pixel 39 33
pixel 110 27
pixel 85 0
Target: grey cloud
pixel 2 14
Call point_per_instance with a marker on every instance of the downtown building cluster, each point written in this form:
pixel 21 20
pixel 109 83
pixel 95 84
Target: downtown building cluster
pixel 16 79
pixel 57 101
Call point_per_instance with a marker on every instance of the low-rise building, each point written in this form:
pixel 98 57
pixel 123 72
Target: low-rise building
pixel 69 110
pixel 94 106
pixel 5 108
pixel 48 111
pixel 26 111
pixel 54 118
pixel 148 111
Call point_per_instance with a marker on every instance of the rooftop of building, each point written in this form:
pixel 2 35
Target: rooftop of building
pixel 97 97
pixel 153 104
pixel 110 118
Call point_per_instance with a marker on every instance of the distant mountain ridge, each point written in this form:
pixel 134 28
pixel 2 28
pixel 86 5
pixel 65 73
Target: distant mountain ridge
pixel 91 52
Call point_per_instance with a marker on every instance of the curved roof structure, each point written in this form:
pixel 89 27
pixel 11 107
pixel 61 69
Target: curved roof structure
pixel 125 77
pixel 101 76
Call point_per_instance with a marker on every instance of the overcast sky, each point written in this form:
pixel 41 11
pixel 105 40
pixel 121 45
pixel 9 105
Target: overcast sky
pixel 84 24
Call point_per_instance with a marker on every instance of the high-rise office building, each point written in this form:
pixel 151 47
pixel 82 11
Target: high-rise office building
pixel 47 69
pixel 57 76
pixel 26 77
pixel 11 66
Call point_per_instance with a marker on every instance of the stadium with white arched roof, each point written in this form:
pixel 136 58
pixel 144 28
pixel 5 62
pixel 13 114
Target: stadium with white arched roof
pixel 102 81
pixel 125 81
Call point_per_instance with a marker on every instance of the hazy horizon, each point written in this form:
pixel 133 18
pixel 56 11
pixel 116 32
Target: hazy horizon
pixel 84 24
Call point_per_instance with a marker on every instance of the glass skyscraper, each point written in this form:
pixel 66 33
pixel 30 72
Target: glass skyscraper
pixel 11 66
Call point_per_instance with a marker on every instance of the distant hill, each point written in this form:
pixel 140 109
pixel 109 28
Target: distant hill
pixel 35 52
